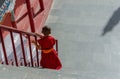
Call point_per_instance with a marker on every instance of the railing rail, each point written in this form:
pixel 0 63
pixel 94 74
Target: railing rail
pixel 31 14
pixel 23 61
pixel 21 33
pixel 17 61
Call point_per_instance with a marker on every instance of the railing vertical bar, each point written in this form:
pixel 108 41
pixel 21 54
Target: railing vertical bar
pixel 14 50
pixel 41 5
pixel 37 55
pixel 57 46
pixel 23 50
pixel 30 50
pixel 3 46
pixel 30 14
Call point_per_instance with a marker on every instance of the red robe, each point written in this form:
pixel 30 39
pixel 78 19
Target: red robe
pixel 49 60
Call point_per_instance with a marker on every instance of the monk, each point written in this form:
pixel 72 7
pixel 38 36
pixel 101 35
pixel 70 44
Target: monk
pixel 49 56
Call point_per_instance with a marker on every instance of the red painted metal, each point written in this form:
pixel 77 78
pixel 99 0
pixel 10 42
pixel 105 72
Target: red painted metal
pixel 30 13
pixel 37 55
pixel 11 30
pixel 23 50
pixel 33 63
pixel 36 21
pixel 41 17
pixel 41 5
pixel 57 45
pixel 21 15
pixel 14 24
pixel 30 50
pixel 3 46
pixel 14 50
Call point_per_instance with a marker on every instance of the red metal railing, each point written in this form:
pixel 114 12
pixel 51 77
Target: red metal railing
pixel 16 61
pixel 22 61
pixel 21 33
pixel 30 13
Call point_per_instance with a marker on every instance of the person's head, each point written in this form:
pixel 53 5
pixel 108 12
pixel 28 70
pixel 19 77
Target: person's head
pixel 46 30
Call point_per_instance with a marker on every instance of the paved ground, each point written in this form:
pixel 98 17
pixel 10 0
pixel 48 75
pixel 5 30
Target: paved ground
pixel 89 46
pixel 88 34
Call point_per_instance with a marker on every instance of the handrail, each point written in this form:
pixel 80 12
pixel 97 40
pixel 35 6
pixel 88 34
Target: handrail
pixel 13 30
pixel 16 30
pixel 22 33
pixel 41 4
pixel 32 63
pixel 31 14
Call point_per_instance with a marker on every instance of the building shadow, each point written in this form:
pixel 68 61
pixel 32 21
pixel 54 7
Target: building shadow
pixel 113 21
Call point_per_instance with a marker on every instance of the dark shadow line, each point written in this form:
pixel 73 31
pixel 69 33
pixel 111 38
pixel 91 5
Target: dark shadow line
pixel 113 21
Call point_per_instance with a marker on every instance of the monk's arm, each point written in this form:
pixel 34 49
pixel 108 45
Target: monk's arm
pixel 36 44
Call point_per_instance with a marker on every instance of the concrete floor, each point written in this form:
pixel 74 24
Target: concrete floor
pixel 88 35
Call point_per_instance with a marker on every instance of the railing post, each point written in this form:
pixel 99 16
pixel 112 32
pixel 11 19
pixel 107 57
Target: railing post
pixel 3 46
pixel 30 50
pixel 23 50
pixel 57 46
pixel 11 31
pixel 41 5
pixel 14 50
pixel 37 55
pixel 30 14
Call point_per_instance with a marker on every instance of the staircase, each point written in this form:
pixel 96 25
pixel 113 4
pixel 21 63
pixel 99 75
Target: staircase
pixel 17 29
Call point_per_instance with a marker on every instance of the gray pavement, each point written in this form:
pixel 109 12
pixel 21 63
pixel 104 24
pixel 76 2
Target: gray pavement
pixel 89 46
pixel 89 37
